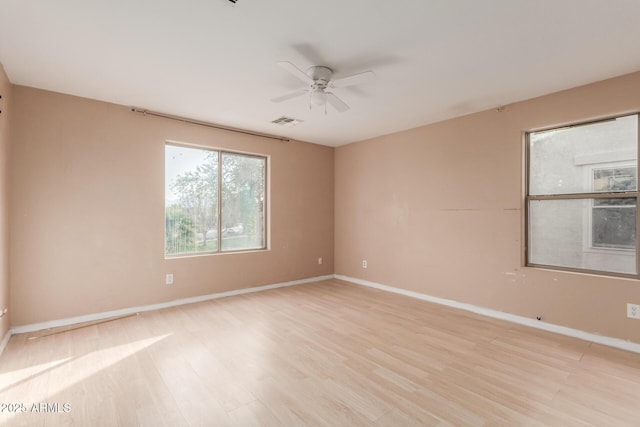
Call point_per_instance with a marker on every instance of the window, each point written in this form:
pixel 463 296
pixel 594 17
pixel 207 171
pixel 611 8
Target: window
pixel 613 224
pixel 582 196
pixel 214 201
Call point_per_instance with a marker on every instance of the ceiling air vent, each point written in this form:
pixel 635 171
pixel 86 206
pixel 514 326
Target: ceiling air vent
pixel 286 121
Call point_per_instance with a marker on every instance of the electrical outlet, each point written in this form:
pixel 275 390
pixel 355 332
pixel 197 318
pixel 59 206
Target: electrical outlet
pixel 320 261
pixel 364 263
pixel 633 311
pixel 168 280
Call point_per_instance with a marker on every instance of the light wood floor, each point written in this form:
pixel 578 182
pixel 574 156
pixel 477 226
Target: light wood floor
pixel 324 354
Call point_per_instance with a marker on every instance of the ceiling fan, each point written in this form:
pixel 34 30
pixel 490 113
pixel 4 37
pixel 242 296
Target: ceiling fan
pixel 318 79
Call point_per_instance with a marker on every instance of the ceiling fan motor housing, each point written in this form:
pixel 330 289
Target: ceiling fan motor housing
pixel 321 77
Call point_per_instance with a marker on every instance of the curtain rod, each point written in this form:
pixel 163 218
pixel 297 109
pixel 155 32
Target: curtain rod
pixel 206 124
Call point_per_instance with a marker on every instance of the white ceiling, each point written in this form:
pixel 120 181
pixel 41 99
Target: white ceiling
pixel 214 61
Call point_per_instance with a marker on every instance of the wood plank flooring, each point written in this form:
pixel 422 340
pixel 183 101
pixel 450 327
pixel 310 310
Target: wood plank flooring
pixel 322 354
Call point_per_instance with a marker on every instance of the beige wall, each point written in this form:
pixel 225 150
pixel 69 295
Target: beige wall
pixel 87 210
pixel 436 209
pixel 5 110
pixel 439 210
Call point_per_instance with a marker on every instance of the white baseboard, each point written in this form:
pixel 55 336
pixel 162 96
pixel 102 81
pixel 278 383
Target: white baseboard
pixel 563 330
pixel 132 310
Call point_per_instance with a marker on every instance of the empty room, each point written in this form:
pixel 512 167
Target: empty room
pixel 344 213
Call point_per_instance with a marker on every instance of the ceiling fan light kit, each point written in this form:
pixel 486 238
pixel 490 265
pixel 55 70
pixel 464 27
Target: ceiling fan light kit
pixel 318 79
pixel 318 98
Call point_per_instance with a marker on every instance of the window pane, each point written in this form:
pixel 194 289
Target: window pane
pixel 243 202
pixel 562 161
pixel 614 226
pixel 573 233
pixel 615 179
pixel 191 194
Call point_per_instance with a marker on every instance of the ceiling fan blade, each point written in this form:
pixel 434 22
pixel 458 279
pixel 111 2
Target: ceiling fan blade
pixel 288 66
pixel 289 96
pixel 356 79
pixel 336 102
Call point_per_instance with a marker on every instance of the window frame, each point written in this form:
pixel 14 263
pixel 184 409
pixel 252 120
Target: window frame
pixel 265 213
pixel 579 196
